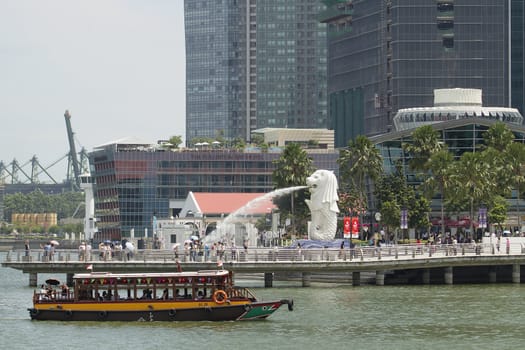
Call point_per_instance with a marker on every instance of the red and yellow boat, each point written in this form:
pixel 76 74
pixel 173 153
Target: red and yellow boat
pixel 178 296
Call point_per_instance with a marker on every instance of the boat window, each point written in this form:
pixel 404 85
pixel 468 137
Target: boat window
pixel 106 288
pixel 147 294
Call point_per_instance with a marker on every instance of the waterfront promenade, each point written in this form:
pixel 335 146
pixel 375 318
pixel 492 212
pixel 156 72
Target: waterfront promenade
pixel 418 263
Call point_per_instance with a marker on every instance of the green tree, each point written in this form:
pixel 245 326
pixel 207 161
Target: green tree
pixel 418 213
pixel 498 211
pixel 257 139
pixel 175 141
pixel 291 169
pixel 64 204
pixel 393 188
pixel 440 178
pixel 515 160
pixel 472 181
pixel 424 145
pixel 498 136
pixel 391 216
pixel 425 142
pixel 238 143
pixel 357 162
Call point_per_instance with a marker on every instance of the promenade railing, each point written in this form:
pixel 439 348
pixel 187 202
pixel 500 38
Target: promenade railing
pixel 269 254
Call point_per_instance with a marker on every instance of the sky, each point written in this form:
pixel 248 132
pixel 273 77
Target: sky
pixel 118 66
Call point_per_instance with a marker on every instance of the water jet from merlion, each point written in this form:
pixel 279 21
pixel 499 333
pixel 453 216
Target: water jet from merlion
pixel 323 187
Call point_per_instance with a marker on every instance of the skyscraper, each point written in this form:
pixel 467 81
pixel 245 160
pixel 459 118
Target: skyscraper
pixel 518 55
pixel 252 64
pixel 387 55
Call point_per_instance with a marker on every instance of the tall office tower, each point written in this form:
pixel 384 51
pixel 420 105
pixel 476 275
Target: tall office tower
pixel 385 55
pixel 253 64
pixel 517 74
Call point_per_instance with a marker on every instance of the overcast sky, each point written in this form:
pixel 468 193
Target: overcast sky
pixel 118 66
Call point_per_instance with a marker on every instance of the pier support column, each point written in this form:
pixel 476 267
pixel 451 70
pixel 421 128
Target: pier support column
pixel 356 278
pixel 33 279
pixel 516 273
pixel 492 274
pixel 449 275
pixel 380 278
pixel 306 279
pixel 268 279
pixel 426 276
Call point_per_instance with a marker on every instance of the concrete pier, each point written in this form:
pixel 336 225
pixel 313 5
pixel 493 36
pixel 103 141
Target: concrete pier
pixel 516 273
pixel 449 275
pixel 268 279
pixel 306 279
pixel 493 276
pixel 356 278
pixel 426 276
pixel 33 279
pixel 380 278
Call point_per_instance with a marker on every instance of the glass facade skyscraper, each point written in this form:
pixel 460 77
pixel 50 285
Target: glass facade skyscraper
pixel 518 55
pixel 253 64
pixel 389 55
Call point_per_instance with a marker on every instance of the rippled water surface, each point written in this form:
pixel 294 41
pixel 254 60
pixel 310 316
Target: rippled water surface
pixel 325 317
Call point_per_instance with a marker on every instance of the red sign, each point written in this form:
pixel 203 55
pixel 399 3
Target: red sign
pixel 346 227
pixel 355 225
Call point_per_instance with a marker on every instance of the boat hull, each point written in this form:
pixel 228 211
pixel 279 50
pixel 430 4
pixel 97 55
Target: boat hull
pixel 250 311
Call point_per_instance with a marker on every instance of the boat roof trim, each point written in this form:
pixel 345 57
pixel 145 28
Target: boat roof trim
pixel 154 274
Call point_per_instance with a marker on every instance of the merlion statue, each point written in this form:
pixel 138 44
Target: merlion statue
pixel 323 205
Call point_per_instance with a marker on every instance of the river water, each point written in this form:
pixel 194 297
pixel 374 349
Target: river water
pixel 326 317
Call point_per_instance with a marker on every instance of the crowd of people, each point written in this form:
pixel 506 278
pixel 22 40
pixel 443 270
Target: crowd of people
pixel 196 250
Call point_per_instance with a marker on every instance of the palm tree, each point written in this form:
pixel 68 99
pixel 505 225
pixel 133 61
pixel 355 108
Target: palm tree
pixel 498 136
pixel 515 160
pixel 440 177
pixel 360 160
pixel 472 180
pixel 291 169
pixel 425 142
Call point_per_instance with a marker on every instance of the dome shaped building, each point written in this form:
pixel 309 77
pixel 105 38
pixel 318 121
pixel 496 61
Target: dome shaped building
pixel 460 119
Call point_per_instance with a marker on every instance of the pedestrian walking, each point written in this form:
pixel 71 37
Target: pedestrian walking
pixel 27 247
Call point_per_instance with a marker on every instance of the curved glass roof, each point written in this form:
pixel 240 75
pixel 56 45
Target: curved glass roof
pixel 411 118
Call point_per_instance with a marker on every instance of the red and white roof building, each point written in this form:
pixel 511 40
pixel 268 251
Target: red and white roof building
pixel 217 205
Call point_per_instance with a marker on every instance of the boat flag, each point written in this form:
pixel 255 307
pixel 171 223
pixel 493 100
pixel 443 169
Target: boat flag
pixel 89 267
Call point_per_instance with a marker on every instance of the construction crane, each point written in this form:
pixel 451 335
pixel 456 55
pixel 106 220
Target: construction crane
pixel 82 181
pixel 73 161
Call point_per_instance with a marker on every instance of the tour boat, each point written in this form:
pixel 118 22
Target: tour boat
pixel 178 296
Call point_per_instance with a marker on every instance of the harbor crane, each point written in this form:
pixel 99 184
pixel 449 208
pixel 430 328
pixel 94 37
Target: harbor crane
pixel 73 160
pixel 29 172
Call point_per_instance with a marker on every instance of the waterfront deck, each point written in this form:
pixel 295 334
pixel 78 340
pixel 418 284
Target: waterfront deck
pixel 418 263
